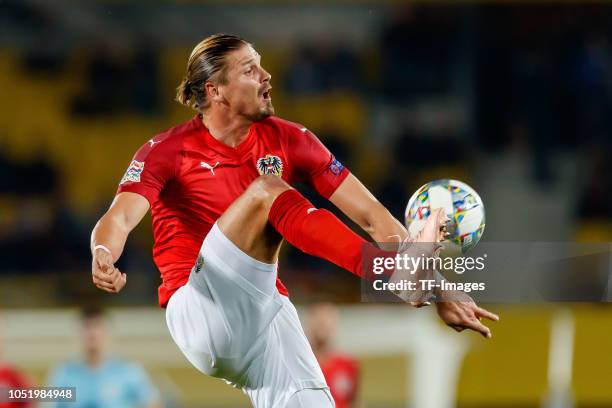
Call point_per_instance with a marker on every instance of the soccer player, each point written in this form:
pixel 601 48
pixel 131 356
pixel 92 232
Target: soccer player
pixel 341 371
pixel 102 381
pixel 219 189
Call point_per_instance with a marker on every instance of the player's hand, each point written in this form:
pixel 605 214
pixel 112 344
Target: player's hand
pixel 460 312
pixel 427 240
pixel 104 274
pixel 434 227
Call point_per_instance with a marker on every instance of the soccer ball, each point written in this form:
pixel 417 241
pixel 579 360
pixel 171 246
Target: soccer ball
pixel 462 205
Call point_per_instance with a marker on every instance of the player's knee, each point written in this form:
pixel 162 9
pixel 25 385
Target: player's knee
pixel 264 189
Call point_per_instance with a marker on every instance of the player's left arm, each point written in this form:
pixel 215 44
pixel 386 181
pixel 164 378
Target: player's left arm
pixel 318 168
pixel 456 309
pixel 354 200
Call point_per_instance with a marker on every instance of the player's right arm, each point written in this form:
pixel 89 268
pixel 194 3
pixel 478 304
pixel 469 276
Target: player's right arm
pixel 109 236
pixel 152 167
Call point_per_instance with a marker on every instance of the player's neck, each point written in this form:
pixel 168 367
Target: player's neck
pixel 227 129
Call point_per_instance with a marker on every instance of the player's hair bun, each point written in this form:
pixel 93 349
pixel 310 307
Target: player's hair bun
pixel 184 93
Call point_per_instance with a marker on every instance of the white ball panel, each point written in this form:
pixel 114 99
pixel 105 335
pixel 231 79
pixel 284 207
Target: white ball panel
pixel 440 197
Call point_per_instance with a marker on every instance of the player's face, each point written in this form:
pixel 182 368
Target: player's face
pixel 247 87
pixel 95 334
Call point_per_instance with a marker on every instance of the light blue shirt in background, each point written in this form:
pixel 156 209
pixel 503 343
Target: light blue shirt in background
pixel 114 383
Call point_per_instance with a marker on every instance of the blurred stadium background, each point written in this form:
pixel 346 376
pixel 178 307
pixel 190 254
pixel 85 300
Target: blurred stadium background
pixel 513 98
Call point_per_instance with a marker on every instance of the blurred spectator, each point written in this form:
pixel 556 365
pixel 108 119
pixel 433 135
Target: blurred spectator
pixel 341 371
pixel 10 377
pixel 102 381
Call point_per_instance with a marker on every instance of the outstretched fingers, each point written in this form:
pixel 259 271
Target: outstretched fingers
pixel 475 324
pixel 467 315
pixel 480 313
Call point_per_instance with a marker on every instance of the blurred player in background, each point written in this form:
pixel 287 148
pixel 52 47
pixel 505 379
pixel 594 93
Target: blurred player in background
pixel 225 177
pixel 341 371
pixel 10 377
pixel 102 381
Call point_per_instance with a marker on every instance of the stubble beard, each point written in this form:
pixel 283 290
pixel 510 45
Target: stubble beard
pixel 263 113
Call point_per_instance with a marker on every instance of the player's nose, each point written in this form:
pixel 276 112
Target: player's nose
pixel 265 76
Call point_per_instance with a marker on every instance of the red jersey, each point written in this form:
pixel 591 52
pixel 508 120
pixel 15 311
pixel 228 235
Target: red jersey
pixel 11 378
pixel 190 178
pixel 342 376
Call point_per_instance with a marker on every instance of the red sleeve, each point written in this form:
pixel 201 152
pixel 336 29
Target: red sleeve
pixel 153 165
pixel 313 163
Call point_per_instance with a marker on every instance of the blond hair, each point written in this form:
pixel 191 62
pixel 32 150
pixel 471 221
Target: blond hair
pixel 206 63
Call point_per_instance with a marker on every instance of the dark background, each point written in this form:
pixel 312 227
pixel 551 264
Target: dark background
pixel 514 99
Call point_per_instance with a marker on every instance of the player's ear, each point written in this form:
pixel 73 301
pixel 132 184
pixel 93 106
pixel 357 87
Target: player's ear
pixel 212 92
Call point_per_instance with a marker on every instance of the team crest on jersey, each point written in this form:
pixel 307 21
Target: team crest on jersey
pixel 133 172
pixel 270 165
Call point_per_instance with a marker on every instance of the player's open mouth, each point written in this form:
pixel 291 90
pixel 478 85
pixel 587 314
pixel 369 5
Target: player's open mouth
pixel 267 95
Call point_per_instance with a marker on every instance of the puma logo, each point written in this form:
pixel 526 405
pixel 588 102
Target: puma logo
pixel 209 167
pixel 153 142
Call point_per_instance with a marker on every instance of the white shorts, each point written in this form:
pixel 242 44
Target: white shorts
pixel 230 322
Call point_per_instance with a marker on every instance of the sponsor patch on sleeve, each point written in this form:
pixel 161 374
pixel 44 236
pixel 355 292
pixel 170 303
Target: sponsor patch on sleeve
pixel 133 172
pixel 335 167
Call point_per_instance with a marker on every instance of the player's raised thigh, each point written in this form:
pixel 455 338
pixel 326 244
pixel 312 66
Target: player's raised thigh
pixel 245 222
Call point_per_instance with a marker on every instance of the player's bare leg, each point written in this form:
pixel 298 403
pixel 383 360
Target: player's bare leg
pixel 269 208
pixel 245 222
